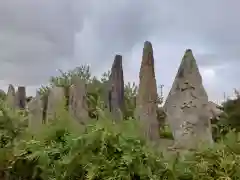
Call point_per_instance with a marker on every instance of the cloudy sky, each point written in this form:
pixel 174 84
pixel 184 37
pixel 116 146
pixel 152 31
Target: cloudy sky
pixel 38 37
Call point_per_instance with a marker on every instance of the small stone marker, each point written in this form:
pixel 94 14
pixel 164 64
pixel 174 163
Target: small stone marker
pixel 21 97
pixel 55 102
pixel 35 108
pixel 11 97
pixel 78 100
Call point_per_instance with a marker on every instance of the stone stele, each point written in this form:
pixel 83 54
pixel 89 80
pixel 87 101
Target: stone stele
pixel 116 89
pixel 146 101
pixel 187 107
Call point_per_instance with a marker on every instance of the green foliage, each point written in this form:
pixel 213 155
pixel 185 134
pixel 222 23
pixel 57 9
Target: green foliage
pixel 97 90
pixel 12 130
pixel 2 95
pixel 66 150
pixel 229 120
pixel 165 132
pixel 130 93
pixel 95 87
pixel 12 125
pixel 232 110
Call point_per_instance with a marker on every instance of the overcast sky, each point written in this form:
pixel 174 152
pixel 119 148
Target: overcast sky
pixel 37 37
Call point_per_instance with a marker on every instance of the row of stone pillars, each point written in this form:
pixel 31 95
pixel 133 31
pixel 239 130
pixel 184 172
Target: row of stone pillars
pixel 186 106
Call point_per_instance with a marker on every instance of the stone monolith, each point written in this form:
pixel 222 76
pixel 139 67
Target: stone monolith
pixel 78 100
pixel 146 101
pixel 21 97
pixel 35 109
pixel 116 89
pixel 11 97
pixel 186 106
pixel 56 101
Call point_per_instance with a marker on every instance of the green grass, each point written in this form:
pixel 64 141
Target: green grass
pixel 166 133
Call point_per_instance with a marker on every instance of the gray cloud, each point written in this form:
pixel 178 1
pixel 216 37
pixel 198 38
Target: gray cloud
pixel 37 37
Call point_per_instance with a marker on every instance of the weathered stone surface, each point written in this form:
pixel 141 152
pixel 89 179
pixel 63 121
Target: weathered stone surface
pixel 186 106
pixel 214 110
pixel 146 101
pixel 35 108
pixel 45 104
pixel 78 101
pixel 116 89
pixel 11 97
pixel 56 100
pixel 21 97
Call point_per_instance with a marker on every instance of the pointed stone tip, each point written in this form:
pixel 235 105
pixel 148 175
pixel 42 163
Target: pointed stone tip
pixel 147 44
pixel 117 61
pixel 188 52
pixel 118 58
pixel 11 87
pixel 21 88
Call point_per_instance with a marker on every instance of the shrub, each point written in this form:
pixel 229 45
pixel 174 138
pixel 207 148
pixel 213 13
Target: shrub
pixel 103 151
pixel 66 150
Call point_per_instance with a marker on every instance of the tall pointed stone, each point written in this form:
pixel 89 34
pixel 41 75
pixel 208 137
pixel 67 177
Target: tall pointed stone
pixel 35 108
pixel 56 100
pixel 146 101
pixel 187 106
pixel 116 89
pixel 11 97
pixel 21 97
pixel 78 100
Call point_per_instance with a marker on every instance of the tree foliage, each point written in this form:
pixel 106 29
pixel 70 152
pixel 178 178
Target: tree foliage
pixel 63 150
pixel 97 89
pixel 232 109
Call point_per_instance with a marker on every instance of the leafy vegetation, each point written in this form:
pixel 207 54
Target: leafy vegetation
pixel 96 89
pixel 230 118
pixel 231 107
pixel 65 150
pixel 104 150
